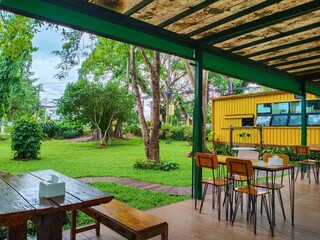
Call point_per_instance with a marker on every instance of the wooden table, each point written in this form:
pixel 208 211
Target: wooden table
pixel 272 169
pixel 20 201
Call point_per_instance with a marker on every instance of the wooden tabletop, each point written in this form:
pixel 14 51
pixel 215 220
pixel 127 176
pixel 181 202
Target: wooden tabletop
pixel 258 164
pixel 20 200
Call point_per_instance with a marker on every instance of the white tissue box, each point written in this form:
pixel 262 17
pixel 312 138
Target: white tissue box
pixel 275 161
pixel 48 189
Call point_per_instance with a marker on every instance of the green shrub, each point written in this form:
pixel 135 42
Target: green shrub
pixel 67 130
pixel 222 149
pixel 167 166
pixel 178 133
pixel 49 128
pixel 26 139
pixel 166 131
pixel 162 166
pixel 134 129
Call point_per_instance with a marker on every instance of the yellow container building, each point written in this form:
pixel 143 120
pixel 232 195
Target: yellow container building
pixel 278 113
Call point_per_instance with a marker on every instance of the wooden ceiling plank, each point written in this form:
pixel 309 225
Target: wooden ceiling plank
pixel 297 43
pixel 304 51
pixel 186 13
pixel 302 66
pixel 274 37
pixel 295 61
pixel 137 7
pixel 232 17
pixel 260 23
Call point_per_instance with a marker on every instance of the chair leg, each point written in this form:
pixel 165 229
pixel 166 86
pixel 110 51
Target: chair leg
pixel 297 172
pixel 213 192
pixel 203 196
pixel 219 201
pixel 238 200
pixel 267 211
pixel 254 213
pixel 281 204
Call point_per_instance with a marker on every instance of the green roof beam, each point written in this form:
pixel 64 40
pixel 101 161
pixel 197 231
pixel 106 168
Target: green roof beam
pixel 250 73
pixel 103 27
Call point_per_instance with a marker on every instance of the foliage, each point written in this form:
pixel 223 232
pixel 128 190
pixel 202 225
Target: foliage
pixel 133 129
pixel 66 130
pixel 26 139
pixel 163 165
pixel 17 94
pixel 49 128
pixel 222 149
pixel 177 133
pixel 95 103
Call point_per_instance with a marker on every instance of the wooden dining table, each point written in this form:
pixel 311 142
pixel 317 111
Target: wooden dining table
pixel 20 201
pixel 271 171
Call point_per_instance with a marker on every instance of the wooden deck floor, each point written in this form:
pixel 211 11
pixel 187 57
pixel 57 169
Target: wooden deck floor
pixel 187 223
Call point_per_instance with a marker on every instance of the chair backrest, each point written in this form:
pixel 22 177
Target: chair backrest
pixel 305 150
pixel 238 166
pixel 248 154
pixel 207 160
pixel 284 157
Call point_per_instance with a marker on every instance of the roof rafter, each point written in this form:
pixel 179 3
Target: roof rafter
pixel 275 37
pixel 232 17
pixel 295 61
pixel 284 46
pixel 186 13
pixel 260 23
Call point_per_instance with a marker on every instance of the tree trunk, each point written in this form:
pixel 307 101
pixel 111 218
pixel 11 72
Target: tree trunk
pixel 154 146
pixel 190 72
pixel 135 86
pixel 117 133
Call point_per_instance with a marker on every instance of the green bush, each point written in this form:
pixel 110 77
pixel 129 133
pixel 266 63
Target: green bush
pixel 134 129
pixel 166 131
pixel 26 139
pixel 49 128
pixel 162 166
pixel 67 130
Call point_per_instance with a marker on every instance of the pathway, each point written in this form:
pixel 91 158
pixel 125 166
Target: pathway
pixel 142 185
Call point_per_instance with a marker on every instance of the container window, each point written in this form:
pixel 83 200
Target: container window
pixel 295 107
pixel 294 120
pixel 263 120
pixel 313 120
pixel 279 120
pixel 264 108
pixel 280 108
pixel 247 122
pixel 313 106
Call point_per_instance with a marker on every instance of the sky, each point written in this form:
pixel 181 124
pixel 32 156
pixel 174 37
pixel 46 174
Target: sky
pixel 44 66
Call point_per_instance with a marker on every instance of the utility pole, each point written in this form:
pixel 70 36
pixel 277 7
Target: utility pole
pixel 39 88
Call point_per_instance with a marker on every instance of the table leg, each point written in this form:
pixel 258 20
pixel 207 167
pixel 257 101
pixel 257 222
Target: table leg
pixel 49 226
pixel 292 189
pixel 17 232
pixel 273 215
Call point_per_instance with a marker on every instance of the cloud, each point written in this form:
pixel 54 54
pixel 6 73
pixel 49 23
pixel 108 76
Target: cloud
pixel 44 64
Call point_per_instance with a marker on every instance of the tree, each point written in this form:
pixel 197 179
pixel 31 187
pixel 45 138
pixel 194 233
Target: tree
pixel 150 136
pixel 95 103
pixel 17 94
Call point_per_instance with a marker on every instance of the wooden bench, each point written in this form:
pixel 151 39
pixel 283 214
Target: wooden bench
pixel 129 222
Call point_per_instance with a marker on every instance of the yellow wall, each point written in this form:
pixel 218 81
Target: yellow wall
pixel 229 110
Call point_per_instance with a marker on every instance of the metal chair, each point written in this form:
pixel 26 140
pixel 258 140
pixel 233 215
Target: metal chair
pixel 242 167
pixel 210 161
pixel 303 153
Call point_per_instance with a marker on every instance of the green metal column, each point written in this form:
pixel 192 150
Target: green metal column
pixel 303 115
pixel 197 125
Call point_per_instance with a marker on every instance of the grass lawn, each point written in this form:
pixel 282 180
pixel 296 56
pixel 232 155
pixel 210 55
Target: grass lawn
pixel 81 159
